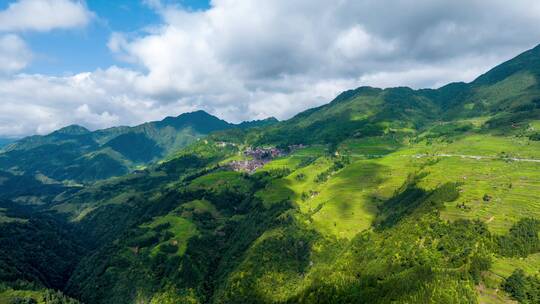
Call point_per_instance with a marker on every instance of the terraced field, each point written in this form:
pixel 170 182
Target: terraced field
pixel 493 189
pixel 9 295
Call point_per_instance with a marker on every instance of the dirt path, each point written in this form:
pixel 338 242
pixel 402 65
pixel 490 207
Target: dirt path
pixel 475 157
pixel 478 157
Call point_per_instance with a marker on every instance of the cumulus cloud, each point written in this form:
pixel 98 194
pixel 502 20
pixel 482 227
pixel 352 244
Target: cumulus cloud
pixel 34 15
pixel 14 54
pixel 240 53
pixel 44 15
pixel 40 104
pixel 253 59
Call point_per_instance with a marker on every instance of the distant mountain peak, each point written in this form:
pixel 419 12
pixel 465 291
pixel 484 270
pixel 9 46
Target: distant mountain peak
pixel 199 120
pixel 364 90
pixel 72 130
pixel 528 61
pixel 197 112
pixel 271 118
pixel 190 115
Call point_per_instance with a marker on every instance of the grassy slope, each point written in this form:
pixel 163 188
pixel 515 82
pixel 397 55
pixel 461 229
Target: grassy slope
pixel 39 295
pixel 7 296
pixel 181 229
pixel 351 195
pixel 346 203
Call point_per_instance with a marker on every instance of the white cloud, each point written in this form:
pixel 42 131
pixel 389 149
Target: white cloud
pixel 14 54
pixel 44 15
pixel 355 42
pixel 253 59
pixel 32 104
pixel 241 52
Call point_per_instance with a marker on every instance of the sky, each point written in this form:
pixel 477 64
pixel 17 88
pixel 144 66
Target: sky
pixel 102 63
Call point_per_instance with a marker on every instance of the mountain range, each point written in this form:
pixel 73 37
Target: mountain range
pixel 76 154
pixel 381 196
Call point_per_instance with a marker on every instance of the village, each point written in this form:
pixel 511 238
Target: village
pixel 257 157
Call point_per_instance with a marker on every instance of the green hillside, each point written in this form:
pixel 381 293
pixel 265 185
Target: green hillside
pixel 381 196
pixel 74 155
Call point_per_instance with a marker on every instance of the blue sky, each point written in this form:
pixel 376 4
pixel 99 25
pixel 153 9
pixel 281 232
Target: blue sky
pixel 70 51
pixel 103 63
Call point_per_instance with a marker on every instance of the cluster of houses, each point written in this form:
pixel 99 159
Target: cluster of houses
pixel 249 166
pixel 259 156
pixel 263 153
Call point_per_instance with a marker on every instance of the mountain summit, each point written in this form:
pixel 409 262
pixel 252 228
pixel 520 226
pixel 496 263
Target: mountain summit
pixel 72 130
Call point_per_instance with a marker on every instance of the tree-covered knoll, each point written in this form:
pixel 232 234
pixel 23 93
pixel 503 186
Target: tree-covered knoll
pixel 179 246
pixel 525 289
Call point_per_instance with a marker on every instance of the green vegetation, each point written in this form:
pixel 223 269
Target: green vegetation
pixel 393 196
pixel 28 293
pixel 522 239
pixel 175 232
pixel 503 266
pixel 37 247
pixel 75 153
pixel 525 289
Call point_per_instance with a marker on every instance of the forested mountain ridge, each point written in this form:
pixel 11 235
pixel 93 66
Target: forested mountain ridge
pixel 381 196
pixel 76 154
pixel 508 93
